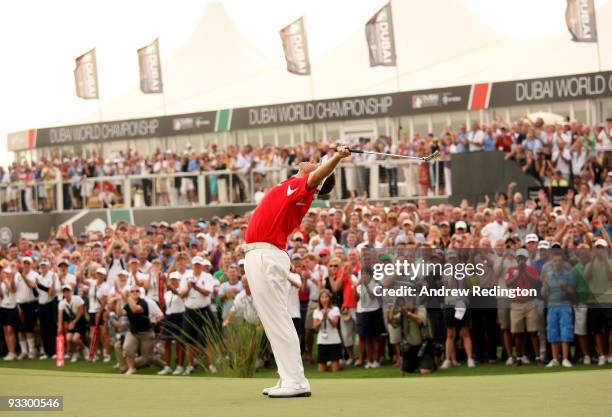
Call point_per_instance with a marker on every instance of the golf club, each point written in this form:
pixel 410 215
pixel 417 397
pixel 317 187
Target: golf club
pixel 427 158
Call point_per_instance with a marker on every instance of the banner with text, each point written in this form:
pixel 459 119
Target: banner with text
pixel 580 20
pixel 295 46
pixel 379 34
pixel 149 65
pixel 86 76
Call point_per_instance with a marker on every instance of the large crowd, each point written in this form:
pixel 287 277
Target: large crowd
pixel 554 154
pixel 129 294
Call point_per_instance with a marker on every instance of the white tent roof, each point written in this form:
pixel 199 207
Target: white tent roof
pixel 218 67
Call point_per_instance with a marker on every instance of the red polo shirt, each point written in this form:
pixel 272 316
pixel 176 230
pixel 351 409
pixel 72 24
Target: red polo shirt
pixel 280 212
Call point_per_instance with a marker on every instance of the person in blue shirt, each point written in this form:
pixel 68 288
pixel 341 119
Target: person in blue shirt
pixel 559 290
pixel 462 141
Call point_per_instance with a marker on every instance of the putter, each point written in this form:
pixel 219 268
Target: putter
pixel 427 158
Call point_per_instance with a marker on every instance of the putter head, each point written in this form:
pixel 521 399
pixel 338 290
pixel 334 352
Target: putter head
pixel 431 157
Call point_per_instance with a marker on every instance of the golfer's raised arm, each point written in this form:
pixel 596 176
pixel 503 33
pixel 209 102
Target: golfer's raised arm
pixel 327 167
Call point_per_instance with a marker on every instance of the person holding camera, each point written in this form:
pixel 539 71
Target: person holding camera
pixel 416 344
pixel 71 321
pixel 142 315
pixel 326 320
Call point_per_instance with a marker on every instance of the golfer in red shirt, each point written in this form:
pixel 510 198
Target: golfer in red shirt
pixel 267 264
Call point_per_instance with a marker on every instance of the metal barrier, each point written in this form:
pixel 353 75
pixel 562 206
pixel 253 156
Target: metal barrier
pixel 379 179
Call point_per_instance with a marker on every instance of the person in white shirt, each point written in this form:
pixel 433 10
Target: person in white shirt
pixel 370 322
pixel 98 291
pixel 475 138
pixel 326 321
pixel 172 325
pixel 497 229
pixel 243 306
pixel 9 317
pixel 293 300
pixel 142 280
pixel 199 322
pixel 27 293
pixel 229 289
pixel 71 321
pixel 64 278
pixel 48 287
pixel 315 275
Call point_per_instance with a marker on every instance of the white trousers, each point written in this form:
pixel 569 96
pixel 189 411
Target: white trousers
pixel 267 271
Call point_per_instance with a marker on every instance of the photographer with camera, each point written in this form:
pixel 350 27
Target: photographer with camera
pixel 142 314
pixel 416 345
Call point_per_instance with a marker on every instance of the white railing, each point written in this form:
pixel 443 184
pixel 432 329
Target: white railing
pixel 223 187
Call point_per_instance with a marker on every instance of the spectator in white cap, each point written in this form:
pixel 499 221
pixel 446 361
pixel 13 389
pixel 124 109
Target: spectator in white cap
pixel 531 242
pixel 199 321
pixel 97 291
pixel 9 317
pixel 48 287
pixel 142 280
pixel 65 277
pixel 172 325
pixel 71 322
pixel 25 284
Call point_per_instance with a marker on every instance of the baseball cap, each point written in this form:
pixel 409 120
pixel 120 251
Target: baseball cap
pixel 66 287
pixel 543 244
pixel 240 262
pixel 194 242
pixel 522 252
pixel 133 261
pixel 101 271
pixel 63 262
pixel 296 256
pixel 324 251
pixel 26 259
pixel 374 218
pixel 173 276
pixel 600 243
pixel 555 245
pixel 444 223
pixel 123 272
pixel 200 236
pixel 531 237
pixel 45 262
pixel 461 225
pixel 297 236
pixel 164 224
pixel 199 260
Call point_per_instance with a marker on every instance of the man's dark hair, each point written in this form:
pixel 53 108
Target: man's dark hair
pixel 328 185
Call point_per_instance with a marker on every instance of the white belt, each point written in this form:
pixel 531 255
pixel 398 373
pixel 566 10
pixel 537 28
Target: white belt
pixel 259 245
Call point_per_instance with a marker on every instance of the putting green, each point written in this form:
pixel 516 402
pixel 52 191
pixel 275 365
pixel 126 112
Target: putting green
pixel 586 393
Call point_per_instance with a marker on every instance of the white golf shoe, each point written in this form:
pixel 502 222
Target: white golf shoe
pixel 266 391
pixel 289 392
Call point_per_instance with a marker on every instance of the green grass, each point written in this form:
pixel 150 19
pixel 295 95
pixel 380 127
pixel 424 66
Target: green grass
pixel 386 371
pixel 559 394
